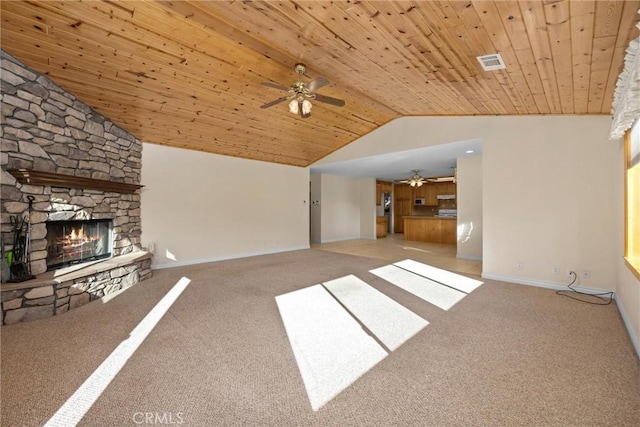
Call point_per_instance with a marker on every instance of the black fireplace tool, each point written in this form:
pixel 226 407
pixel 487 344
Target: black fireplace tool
pixel 20 268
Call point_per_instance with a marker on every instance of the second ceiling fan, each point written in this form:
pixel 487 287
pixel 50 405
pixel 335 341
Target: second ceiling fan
pixel 300 93
pixel 417 181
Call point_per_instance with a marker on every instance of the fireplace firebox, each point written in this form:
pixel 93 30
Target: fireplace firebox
pixel 77 241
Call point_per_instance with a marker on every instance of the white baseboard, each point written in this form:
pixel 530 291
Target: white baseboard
pixel 630 330
pixel 342 239
pixel 543 284
pixel 469 257
pixel 184 263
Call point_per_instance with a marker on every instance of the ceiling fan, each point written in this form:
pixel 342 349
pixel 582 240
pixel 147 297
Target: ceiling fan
pixel 300 94
pixel 415 181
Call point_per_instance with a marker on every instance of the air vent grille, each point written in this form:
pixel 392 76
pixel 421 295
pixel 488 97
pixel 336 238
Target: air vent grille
pixel 491 62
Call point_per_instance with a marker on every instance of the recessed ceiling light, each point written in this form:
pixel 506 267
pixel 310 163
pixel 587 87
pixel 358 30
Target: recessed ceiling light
pixel 469 151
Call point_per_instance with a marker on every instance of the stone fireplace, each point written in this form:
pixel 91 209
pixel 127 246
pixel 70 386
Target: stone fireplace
pixel 76 242
pixel 79 174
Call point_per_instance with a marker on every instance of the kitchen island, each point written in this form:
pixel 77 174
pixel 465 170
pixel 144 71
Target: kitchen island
pixel 431 229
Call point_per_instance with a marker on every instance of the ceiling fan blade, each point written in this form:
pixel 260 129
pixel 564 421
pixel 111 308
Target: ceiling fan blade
pixel 441 179
pixel 276 86
pixel 329 100
pixel 317 84
pixel 274 102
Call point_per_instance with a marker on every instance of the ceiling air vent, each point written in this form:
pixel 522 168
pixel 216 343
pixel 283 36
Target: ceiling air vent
pixel 491 62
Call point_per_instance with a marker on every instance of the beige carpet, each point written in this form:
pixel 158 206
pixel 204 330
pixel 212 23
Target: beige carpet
pixel 505 355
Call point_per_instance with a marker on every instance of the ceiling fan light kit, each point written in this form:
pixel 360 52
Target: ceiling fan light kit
pixel 300 94
pixel 303 107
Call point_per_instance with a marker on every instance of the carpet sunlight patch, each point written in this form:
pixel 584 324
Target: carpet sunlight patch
pixel 448 278
pixel 323 322
pixel 75 408
pixel 435 293
pixel 331 349
pixel 390 322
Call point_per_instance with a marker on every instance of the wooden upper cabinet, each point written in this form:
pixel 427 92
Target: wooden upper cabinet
pixel 403 192
pixel 402 205
pixel 430 194
pixel 445 188
pixel 430 191
pixel 448 188
pixel 419 192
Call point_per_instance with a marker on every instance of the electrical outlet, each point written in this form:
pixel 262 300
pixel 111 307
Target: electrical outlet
pixel 520 265
pixel 556 270
pixel 586 274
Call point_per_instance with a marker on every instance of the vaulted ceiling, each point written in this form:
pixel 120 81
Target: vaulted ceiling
pixel 189 74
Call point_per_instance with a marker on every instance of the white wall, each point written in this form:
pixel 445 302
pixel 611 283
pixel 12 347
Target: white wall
pixel 547 190
pixel 407 133
pixel 367 208
pixel 340 208
pixel 469 188
pixel 200 207
pixel 549 201
pixel 346 208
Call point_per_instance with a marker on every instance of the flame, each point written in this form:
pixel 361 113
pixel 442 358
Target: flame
pixel 78 235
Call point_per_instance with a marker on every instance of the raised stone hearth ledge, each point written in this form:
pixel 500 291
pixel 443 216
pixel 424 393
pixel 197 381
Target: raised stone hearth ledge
pixel 58 291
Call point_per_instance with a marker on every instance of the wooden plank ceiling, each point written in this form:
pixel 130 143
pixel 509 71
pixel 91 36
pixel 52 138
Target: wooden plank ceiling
pixel 188 73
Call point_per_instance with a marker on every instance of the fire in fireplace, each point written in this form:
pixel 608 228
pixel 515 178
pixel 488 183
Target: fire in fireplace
pixel 77 241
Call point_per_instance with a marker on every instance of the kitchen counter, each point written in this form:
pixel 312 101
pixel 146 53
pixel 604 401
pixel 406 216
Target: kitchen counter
pixel 432 229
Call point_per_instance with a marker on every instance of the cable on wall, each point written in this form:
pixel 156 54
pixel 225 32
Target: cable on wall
pixel 573 293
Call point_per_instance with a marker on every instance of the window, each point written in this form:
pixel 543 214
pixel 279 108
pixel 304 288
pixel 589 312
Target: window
pixel 632 198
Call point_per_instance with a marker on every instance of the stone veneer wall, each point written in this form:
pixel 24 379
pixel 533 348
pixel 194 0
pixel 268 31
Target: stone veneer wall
pixel 45 128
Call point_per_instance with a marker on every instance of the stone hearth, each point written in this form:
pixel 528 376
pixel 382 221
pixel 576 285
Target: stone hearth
pixel 58 291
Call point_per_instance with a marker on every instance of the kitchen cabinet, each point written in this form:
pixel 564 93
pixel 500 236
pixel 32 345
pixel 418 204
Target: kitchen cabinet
pixel 382 224
pixel 402 204
pixel 430 193
pixel 445 188
pixel 381 188
pixel 419 192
